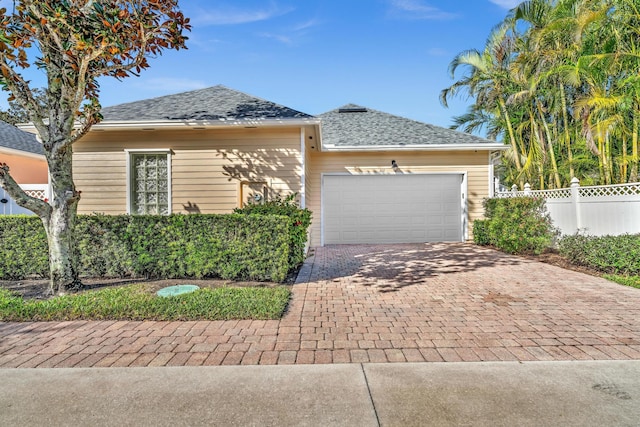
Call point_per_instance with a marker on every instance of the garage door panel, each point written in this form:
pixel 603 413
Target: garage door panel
pixel 392 209
pixel 353 209
pixel 434 208
pixel 436 235
pixel 418 221
pixel 451 222
pixel 451 235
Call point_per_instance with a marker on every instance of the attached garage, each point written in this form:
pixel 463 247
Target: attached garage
pixel 372 177
pixel 397 208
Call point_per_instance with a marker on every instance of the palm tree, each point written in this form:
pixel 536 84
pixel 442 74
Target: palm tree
pixel 488 81
pixel 559 81
pixel 551 47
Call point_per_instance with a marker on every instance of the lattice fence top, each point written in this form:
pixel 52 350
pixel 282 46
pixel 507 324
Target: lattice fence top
pixel 611 190
pixel 508 194
pixel 619 190
pixel 38 194
pixel 564 193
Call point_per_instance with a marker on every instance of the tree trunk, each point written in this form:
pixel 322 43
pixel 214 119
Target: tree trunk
pixel 625 162
pixel 608 166
pixel 512 138
pixel 538 145
pixel 565 118
pixel 59 229
pixel 552 154
pixel 633 176
pixel 602 162
pixel 59 224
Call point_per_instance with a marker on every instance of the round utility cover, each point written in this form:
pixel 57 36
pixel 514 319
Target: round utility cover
pixel 172 291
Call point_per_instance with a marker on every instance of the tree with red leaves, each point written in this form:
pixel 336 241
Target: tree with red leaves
pixel 74 42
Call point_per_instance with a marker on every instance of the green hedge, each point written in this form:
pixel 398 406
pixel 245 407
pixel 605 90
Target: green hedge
pixel 481 232
pixel 610 254
pixel 233 246
pixel 515 225
pixel 23 247
pixel 299 222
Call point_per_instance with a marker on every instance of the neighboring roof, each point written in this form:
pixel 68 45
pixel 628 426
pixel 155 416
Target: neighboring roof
pixel 356 127
pixel 217 103
pixel 15 139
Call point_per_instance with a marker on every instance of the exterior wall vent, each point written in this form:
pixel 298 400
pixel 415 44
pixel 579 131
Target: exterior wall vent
pixel 353 110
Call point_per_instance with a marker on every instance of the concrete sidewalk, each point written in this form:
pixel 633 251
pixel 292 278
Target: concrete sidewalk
pixel 594 393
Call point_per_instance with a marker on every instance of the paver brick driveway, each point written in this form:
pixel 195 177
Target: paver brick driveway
pixel 364 303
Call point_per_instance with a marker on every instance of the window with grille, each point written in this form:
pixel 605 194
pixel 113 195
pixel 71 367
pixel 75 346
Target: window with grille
pixel 150 184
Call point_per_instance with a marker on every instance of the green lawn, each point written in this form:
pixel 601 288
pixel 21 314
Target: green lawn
pixel 633 281
pixel 135 302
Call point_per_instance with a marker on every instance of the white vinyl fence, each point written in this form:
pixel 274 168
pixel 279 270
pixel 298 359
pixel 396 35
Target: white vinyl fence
pixel 597 211
pixel 9 207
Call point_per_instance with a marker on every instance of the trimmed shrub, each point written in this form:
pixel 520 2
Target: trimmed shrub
pixel 516 225
pixel 24 250
pixel 241 247
pixel 481 232
pixel 609 254
pixel 299 222
pixel 102 246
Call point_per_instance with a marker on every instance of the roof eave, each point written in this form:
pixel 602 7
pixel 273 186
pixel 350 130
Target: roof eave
pixel 425 147
pixel 16 152
pixel 201 124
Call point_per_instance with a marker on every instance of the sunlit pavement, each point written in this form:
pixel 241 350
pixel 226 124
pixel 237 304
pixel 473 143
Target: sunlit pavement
pixel 449 302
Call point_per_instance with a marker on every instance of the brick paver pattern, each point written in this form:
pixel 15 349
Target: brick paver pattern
pixel 373 303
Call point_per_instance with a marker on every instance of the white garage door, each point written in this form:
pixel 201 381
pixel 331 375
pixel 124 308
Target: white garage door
pixel 392 208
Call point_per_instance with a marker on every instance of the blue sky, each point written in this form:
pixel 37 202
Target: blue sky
pixel 316 55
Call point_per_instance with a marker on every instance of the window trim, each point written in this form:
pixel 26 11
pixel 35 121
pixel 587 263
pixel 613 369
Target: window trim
pixel 130 153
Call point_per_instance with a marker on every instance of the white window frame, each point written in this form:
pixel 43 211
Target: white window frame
pixel 130 153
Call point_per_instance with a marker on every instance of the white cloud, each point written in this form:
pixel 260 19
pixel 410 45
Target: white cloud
pixel 279 37
pixel 507 4
pixel 293 34
pixel 202 41
pixel 233 15
pixel 305 25
pixel 417 9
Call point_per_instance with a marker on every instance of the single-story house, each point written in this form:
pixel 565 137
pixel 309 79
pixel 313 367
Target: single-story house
pixel 24 154
pixel 367 176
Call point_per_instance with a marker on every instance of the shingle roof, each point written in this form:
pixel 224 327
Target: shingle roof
pixel 16 139
pixel 214 103
pixel 356 126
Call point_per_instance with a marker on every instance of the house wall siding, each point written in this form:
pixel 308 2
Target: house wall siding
pixel 472 162
pixel 26 170
pixel 311 141
pixel 207 166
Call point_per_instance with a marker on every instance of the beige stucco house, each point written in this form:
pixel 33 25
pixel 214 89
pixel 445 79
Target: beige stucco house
pixel 367 176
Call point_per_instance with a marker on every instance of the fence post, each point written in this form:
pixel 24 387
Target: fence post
pixel 514 189
pixel 527 189
pixel 575 201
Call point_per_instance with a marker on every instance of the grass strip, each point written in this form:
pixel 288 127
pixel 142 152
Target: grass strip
pixel 633 281
pixel 137 303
